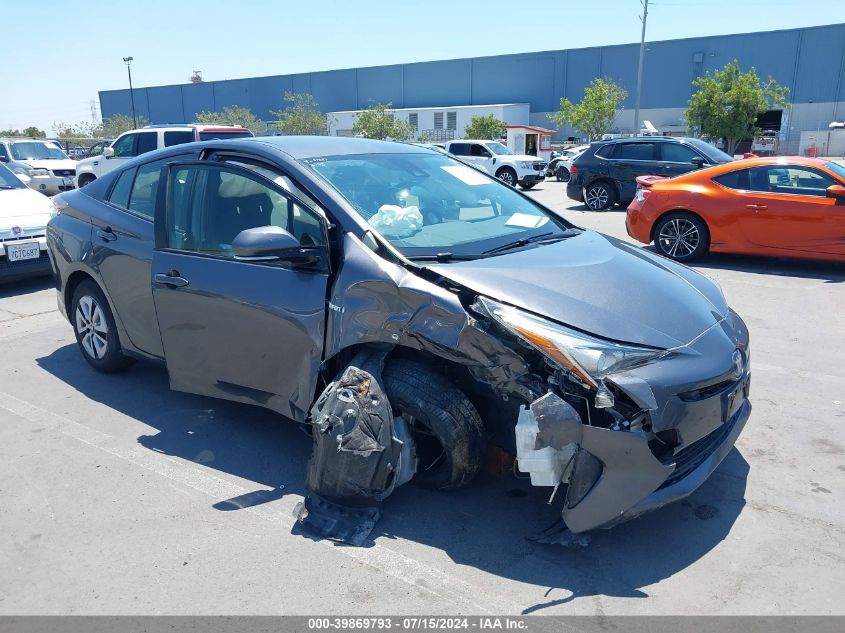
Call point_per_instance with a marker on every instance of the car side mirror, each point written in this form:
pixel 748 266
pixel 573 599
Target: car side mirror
pixel 108 152
pixel 836 191
pixel 273 243
pixel 698 162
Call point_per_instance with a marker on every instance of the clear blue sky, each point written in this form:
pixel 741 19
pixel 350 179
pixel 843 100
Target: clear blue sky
pixel 51 73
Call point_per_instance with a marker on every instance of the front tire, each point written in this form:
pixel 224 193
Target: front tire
pixel 562 174
pixel 95 329
pixel 681 236
pixel 507 176
pixel 600 196
pixel 447 429
pixel 527 186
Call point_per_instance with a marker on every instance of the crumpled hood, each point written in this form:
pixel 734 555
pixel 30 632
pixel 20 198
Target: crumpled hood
pixel 600 285
pixel 25 208
pixel 61 163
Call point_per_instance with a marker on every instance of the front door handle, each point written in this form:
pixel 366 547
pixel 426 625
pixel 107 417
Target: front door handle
pixel 756 207
pixel 171 279
pixel 107 234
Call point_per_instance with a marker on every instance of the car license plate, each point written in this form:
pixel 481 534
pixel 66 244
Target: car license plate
pixel 23 251
pixel 735 399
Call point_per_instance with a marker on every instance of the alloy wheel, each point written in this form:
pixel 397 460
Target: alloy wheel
pixel 92 327
pixel 507 178
pixel 679 238
pixel 597 197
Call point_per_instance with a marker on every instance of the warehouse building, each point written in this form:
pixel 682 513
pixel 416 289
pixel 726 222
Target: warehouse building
pixel 809 61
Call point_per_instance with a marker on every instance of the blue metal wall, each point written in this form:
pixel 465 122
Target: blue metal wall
pixel 810 61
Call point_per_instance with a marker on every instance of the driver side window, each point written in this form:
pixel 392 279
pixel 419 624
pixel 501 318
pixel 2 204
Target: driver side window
pixel 124 147
pixel 479 150
pixel 210 204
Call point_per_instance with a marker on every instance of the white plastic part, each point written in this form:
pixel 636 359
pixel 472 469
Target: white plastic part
pixel 545 465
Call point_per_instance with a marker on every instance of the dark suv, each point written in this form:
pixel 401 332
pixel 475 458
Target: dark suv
pixel 607 172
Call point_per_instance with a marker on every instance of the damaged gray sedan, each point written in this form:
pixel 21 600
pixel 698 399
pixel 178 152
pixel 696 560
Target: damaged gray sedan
pixel 414 312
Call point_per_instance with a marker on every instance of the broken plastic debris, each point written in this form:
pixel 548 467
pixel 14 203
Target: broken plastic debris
pixel 394 221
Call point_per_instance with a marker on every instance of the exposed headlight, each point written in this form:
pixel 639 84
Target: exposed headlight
pixel 525 164
pixel 589 358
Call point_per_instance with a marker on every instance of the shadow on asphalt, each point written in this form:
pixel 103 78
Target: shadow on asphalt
pixel 26 286
pixel 829 272
pixel 485 526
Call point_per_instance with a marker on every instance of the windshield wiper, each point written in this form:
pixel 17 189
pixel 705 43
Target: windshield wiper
pixel 543 237
pixel 442 258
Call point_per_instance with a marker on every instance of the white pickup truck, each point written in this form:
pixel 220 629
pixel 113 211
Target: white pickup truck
pixel 497 160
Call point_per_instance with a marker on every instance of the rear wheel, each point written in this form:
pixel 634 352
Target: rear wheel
pixel 447 429
pixel 681 236
pixel 600 196
pixel 507 176
pixel 95 329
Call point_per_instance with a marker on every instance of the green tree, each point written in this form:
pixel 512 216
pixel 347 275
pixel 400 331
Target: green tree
pixel 34 132
pixel 379 122
pixel 117 124
pixel 81 130
pixel 728 102
pixel 234 115
pixel 485 127
pixel 597 110
pixel 302 116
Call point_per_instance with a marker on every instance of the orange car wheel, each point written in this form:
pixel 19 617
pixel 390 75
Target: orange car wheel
pixel 681 236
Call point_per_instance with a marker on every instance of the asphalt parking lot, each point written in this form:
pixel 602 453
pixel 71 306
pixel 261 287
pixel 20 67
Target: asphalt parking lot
pixel 121 497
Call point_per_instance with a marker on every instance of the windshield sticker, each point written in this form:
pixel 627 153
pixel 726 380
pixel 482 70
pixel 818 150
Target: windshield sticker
pixel 466 175
pixel 526 220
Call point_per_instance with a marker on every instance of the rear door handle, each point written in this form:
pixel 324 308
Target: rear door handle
pixel 756 207
pixel 171 279
pixel 107 234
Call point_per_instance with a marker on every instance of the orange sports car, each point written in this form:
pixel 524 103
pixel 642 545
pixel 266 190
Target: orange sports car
pixel 785 206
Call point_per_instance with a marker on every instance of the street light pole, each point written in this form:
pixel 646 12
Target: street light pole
pixel 128 62
pixel 640 70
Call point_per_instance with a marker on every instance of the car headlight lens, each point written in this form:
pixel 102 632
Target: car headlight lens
pixel 37 171
pixel 525 164
pixel 589 358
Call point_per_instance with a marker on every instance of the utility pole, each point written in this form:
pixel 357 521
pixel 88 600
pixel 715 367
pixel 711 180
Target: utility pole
pixel 128 62
pixel 640 68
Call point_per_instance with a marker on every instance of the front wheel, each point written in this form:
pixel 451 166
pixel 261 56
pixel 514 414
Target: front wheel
pixel 447 430
pixel 528 185
pixel 86 179
pixel 562 174
pixel 681 236
pixel 95 329
pixel 599 196
pixel 507 176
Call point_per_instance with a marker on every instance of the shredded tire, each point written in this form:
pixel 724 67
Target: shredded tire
pixel 415 390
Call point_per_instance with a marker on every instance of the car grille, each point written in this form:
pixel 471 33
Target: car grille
pixel 23 236
pixel 539 166
pixel 64 172
pixel 692 456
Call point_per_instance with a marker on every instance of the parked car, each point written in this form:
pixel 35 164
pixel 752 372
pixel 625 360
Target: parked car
pixel 785 206
pixel 48 168
pixel 560 165
pixel 606 173
pixel 23 221
pixel 499 161
pixel 146 139
pixel 413 310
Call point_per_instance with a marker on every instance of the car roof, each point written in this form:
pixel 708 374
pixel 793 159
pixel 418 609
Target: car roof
pixel 303 147
pixel 648 139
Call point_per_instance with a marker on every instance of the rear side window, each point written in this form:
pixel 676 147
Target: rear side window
pixel 677 153
pixel 605 151
pixel 209 135
pixel 635 151
pixel 459 149
pixel 120 192
pixel 734 180
pixel 147 142
pixel 178 137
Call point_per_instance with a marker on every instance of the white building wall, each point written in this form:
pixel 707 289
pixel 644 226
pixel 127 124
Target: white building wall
pixel 341 123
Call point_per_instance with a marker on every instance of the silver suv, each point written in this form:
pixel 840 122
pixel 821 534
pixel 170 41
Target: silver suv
pixel 46 167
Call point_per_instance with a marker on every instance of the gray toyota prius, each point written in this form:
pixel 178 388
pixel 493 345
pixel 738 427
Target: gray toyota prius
pixel 414 312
